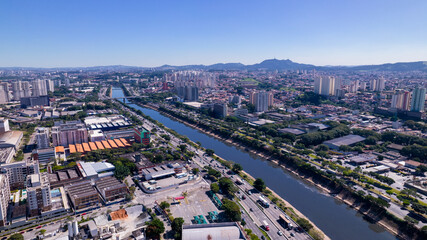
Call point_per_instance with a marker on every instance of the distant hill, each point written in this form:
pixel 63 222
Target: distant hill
pixel 400 67
pixel 269 65
pixel 281 65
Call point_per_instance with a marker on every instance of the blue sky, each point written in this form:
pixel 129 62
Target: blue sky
pixel 152 33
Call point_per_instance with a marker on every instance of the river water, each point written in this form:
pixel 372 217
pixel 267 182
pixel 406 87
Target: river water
pixel 336 219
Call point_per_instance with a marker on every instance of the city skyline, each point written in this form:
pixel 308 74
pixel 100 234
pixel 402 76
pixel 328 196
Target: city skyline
pixel 82 34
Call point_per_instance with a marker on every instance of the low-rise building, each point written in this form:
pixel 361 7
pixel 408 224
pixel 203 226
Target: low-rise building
pixel 44 156
pixel 96 135
pixel 82 194
pixel 227 230
pixel 142 135
pixel 343 141
pixel 111 189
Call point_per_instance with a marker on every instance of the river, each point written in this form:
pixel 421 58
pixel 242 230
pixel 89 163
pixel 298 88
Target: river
pixel 335 218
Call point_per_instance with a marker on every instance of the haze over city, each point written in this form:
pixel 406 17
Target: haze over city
pixel 154 33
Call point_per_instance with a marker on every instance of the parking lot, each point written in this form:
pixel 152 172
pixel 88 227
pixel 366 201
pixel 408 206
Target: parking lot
pixel 196 203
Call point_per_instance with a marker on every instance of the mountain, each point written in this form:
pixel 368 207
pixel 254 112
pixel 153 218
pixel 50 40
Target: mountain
pixel 282 65
pixel 275 64
pixel 269 65
pixel 399 67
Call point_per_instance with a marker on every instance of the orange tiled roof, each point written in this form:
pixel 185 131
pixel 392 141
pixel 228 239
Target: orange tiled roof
pixel 92 146
pixel 106 145
pixel 59 149
pixel 86 147
pixel 99 145
pixel 79 148
pixel 72 148
pixel 112 144
pixel 118 143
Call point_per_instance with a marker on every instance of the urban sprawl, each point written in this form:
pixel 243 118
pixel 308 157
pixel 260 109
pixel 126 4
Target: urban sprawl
pixel 80 160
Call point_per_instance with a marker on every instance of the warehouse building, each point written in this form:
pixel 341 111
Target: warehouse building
pixel 111 189
pixel 343 141
pixel 82 194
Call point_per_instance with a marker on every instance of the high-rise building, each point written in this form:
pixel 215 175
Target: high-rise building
pixel 17 172
pixel 72 132
pixel 42 136
pixel 17 90
pixel 26 92
pixel 50 87
pixel 373 84
pixel 252 97
pixel 380 84
pixel 318 85
pixel 418 99
pixel 362 86
pixel 4 198
pixel 263 101
pixel 38 193
pixel 39 88
pixel 325 85
pixel 4 93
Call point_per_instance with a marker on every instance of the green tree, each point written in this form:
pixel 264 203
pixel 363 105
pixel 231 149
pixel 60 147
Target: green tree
pixel 177 227
pixel 155 228
pixel 210 152
pixel 16 236
pixel 259 184
pixel 232 210
pixel 195 171
pixel 305 224
pixel 182 147
pixel 215 187
pixel 163 205
pixel 227 186
pixel 121 171
pixel 237 168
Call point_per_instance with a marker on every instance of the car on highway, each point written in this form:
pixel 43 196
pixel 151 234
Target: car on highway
pixel 292 235
pixel 279 233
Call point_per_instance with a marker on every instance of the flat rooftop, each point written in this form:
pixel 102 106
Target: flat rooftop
pixel 223 231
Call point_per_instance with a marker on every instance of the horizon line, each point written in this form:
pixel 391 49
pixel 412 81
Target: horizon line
pixel 120 65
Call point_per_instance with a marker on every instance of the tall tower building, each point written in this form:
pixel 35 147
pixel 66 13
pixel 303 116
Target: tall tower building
pixel 318 85
pixel 252 98
pixel 373 85
pixel 327 86
pixel 4 93
pixel 16 90
pixel 50 87
pixel 418 99
pixel 263 101
pixel 406 99
pixel 380 84
pixel 39 88
pixel 26 92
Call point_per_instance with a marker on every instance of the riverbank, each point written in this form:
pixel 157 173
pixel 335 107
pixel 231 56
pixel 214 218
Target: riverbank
pixel 295 210
pixel 341 195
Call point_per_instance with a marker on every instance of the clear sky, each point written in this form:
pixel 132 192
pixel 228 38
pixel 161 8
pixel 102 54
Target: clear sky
pixel 59 33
